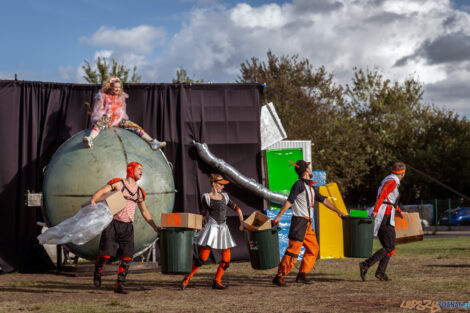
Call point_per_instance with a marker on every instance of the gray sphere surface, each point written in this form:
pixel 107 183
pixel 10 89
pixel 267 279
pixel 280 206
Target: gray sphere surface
pixel 76 172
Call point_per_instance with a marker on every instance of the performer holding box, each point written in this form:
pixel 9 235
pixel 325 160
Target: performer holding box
pixel 215 234
pixel 384 226
pixel 121 229
pixel 109 110
pixel 302 196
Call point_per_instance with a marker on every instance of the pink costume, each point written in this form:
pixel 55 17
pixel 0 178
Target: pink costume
pixel 109 110
pixel 111 106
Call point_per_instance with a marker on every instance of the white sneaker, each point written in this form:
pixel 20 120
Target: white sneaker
pixel 88 141
pixel 155 144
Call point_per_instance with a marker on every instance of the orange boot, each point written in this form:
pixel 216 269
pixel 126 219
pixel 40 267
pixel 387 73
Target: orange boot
pixel 217 283
pixel 204 253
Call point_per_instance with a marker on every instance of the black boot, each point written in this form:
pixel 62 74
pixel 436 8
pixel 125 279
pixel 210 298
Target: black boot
pixel 279 281
pixel 363 270
pixel 119 288
pixel 122 273
pixel 218 285
pixel 302 278
pixel 98 271
pixel 382 277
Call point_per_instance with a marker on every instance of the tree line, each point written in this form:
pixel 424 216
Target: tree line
pixel 360 129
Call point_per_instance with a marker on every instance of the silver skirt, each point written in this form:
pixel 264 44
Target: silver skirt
pixel 216 236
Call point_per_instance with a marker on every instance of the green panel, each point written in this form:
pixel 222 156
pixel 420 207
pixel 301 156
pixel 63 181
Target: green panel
pixel 281 176
pixel 358 213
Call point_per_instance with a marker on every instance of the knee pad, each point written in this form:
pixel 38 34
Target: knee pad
pixel 125 263
pixel 102 259
pixel 224 265
pixel 199 262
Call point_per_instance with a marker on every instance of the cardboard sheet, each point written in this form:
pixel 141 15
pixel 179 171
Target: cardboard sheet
pixel 408 229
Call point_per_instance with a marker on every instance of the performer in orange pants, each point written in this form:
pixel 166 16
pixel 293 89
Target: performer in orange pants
pixel 215 233
pixel 292 253
pixel 301 198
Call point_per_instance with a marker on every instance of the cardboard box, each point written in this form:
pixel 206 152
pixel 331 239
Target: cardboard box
pixel 114 200
pixel 183 220
pixel 257 221
pixel 408 229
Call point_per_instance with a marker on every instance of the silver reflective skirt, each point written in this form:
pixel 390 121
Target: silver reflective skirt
pixel 216 236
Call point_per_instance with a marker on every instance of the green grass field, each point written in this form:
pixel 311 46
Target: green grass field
pixel 436 269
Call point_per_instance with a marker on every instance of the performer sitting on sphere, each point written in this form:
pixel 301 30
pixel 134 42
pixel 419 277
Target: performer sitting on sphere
pixel 302 196
pixel 109 110
pixel 121 229
pixel 215 234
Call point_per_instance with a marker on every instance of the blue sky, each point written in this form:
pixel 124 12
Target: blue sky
pixel 39 36
pixel 428 40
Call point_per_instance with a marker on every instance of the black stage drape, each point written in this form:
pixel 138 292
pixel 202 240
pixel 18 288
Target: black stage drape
pixel 37 117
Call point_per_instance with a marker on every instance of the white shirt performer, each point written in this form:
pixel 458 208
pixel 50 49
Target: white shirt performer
pixel 301 197
pixel 384 225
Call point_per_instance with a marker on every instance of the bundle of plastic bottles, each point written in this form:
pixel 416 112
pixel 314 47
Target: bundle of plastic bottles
pixel 88 223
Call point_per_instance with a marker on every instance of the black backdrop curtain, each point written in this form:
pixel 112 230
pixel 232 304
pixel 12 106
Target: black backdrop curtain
pixel 37 117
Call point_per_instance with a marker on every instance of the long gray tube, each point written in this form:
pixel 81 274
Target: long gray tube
pixel 235 176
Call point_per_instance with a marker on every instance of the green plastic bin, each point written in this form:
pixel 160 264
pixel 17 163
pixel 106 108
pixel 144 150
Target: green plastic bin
pixel 176 250
pixel 358 213
pixel 263 246
pixel 358 236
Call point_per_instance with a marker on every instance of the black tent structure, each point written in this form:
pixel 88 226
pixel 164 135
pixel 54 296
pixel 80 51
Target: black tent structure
pixel 37 117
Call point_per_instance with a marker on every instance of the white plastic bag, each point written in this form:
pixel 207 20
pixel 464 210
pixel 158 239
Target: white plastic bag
pixel 88 223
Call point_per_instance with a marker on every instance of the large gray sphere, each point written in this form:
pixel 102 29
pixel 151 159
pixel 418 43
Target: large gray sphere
pixel 76 172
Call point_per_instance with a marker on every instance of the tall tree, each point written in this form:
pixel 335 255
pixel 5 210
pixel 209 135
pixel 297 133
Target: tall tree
pixel 99 73
pixel 183 77
pixel 397 125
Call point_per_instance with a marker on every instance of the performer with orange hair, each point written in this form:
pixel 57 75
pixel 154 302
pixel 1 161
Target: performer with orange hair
pixel 109 110
pixel 215 234
pixel 384 226
pixel 121 229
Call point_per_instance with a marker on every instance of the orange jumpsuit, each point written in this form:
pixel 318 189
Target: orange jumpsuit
pixel 302 197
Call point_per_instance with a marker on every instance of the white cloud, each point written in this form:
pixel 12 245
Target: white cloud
pixel 7 76
pixel 339 34
pixel 72 73
pixel 268 16
pixel 104 54
pixel 140 39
